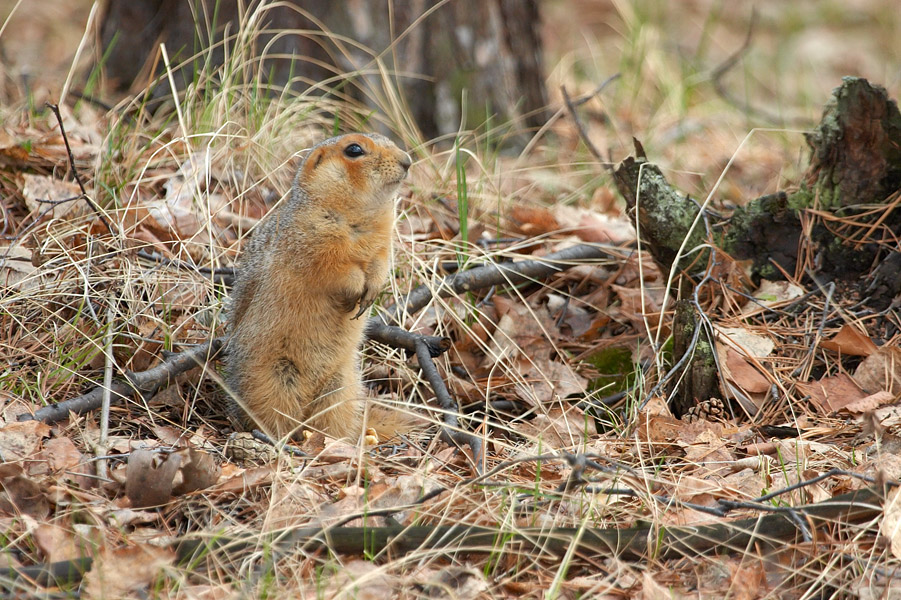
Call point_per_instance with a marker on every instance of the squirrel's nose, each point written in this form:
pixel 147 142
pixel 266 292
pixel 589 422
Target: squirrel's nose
pixel 405 160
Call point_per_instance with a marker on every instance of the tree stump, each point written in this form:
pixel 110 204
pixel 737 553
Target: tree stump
pixel 855 169
pixel 854 175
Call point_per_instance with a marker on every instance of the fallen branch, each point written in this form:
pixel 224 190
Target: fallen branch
pixel 637 543
pixel 84 192
pixel 499 274
pixel 634 542
pixel 144 383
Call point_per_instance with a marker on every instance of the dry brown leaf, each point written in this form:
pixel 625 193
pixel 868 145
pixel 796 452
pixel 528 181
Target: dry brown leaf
pixel 453 582
pixel 871 402
pixel 658 429
pixel 592 226
pixel 748 580
pixel 199 471
pixel 549 380
pixel 57 543
pixel 124 517
pixel 22 439
pixel 336 451
pixel 651 590
pixel 17 271
pixel 125 571
pixel 833 393
pixel 364 580
pixel 741 372
pixel 150 477
pixel 890 526
pixel 558 428
pixel 406 489
pixel 12 150
pixel 772 294
pixel 60 455
pixel 638 304
pixel 880 371
pixel 244 480
pixel 20 495
pixel 849 340
pixel 43 187
pixel 292 502
pixel 533 220
pixel 745 341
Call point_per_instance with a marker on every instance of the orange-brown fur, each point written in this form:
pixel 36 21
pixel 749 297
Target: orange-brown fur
pixel 305 281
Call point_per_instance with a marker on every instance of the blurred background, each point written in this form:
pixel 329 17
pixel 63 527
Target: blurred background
pixel 697 79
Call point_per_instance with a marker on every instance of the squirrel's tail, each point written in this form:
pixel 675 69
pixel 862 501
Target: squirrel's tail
pixel 391 422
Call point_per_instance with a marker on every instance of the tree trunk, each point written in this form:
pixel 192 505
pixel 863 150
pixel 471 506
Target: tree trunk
pixel 468 63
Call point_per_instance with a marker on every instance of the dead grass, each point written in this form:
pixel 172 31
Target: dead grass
pixel 189 182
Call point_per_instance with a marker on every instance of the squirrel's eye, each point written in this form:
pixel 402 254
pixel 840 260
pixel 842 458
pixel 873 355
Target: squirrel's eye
pixel 354 150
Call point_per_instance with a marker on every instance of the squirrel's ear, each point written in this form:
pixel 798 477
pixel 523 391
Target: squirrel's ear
pixel 312 160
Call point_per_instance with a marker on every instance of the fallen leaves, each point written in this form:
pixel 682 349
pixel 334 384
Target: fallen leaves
pixel 119 572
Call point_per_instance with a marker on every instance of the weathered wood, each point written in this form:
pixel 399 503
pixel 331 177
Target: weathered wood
pixel 855 165
pixel 728 537
pixel 664 214
pixel 856 148
pixel 700 381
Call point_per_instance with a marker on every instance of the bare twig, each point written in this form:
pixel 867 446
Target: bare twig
pixel 426 348
pixel 451 432
pixel 583 134
pixel 84 192
pixel 145 383
pixel 720 71
pixel 499 274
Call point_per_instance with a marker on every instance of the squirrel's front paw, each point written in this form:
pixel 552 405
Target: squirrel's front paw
pixel 347 301
pixel 366 300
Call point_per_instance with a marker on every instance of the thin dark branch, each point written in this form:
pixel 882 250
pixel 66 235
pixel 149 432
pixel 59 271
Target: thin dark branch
pixel 396 337
pixel 596 91
pixel 498 274
pixel 638 543
pixel 144 383
pixel 451 431
pixel 720 71
pixel 84 193
pixel 583 133
pixel 814 344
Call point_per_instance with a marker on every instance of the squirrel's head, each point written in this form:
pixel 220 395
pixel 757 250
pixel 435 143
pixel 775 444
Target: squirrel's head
pixel 364 167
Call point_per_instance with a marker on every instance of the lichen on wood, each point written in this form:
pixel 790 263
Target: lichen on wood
pixel 665 215
pixel 856 148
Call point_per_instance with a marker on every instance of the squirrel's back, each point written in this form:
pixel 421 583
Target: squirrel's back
pixel 310 272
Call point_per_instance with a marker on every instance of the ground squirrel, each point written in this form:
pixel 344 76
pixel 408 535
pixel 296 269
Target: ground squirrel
pixel 309 274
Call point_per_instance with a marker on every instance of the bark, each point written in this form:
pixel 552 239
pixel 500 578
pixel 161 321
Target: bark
pixel 856 149
pixel 700 381
pixel 855 166
pixel 472 62
pixel 664 214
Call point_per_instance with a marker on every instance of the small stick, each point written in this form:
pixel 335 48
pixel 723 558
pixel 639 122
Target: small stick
pixel 84 192
pixel 145 382
pixel 499 274
pixel 101 449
